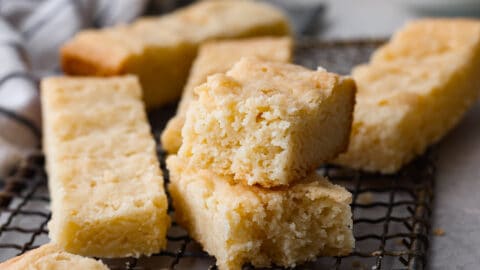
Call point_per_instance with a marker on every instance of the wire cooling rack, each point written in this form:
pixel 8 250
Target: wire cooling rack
pixel 391 212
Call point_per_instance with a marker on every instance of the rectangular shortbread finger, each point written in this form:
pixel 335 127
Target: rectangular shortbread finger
pixel 268 123
pixel 218 57
pixel 160 50
pixel 51 257
pixel 414 90
pixel 241 224
pixel 105 180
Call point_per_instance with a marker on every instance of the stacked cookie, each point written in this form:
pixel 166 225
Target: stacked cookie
pixel 244 183
pixel 217 57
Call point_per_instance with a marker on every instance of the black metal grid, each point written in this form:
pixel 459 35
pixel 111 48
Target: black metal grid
pixel 391 212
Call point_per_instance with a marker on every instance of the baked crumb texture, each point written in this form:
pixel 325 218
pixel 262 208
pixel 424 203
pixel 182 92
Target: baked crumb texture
pixel 413 91
pixel 268 123
pixel 218 57
pixel 51 257
pixel 104 177
pixel 160 50
pixel 241 224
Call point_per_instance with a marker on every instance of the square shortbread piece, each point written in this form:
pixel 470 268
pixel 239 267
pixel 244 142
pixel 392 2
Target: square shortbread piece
pixel 51 257
pixel 160 50
pixel 218 57
pixel 268 123
pixel 241 224
pixel 105 180
pixel 414 90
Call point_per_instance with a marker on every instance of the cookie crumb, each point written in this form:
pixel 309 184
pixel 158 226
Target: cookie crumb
pixel 439 232
pixel 365 198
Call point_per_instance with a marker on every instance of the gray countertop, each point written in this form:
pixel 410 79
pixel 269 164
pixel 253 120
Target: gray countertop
pixel 457 197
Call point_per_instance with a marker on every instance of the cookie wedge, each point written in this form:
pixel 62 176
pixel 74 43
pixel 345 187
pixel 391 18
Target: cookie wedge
pixel 50 257
pixel 104 177
pixel 415 89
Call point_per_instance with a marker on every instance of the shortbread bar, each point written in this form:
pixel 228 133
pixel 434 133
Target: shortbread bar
pixel 241 224
pixel 218 57
pixel 414 90
pixel 161 50
pixel 104 177
pixel 50 257
pixel 268 123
